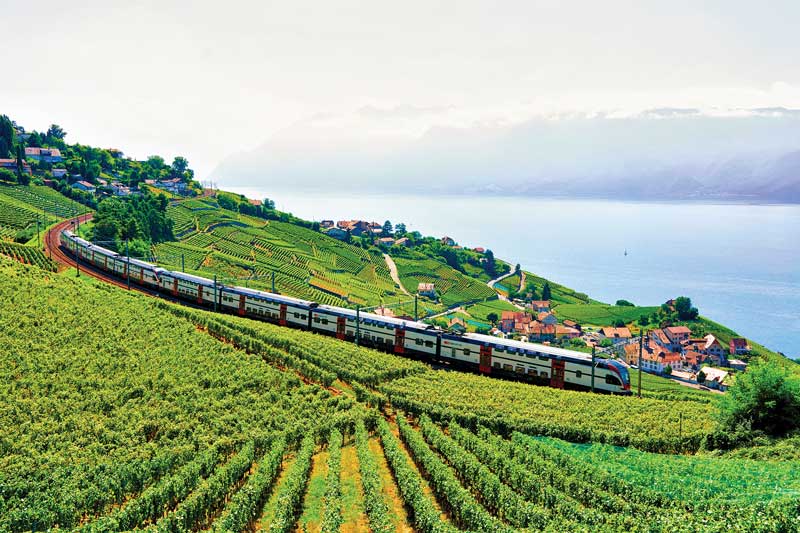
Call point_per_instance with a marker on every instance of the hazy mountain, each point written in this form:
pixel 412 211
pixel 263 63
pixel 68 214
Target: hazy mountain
pixel 669 154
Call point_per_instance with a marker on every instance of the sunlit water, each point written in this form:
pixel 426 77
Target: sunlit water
pixel 740 264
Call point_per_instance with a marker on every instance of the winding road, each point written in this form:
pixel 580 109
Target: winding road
pixel 394 274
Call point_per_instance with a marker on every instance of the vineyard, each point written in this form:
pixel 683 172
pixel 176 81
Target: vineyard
pixel 21 206
pixel 150 416
pixel 452 287
pixel 28 255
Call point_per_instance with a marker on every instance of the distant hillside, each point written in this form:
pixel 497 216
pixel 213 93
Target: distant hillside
pixel 662 154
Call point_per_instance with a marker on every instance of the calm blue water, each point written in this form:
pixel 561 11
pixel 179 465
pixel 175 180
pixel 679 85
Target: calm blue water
pixel 740 264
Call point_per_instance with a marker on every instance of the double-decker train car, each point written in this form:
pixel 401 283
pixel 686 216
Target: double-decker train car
pixel 537 363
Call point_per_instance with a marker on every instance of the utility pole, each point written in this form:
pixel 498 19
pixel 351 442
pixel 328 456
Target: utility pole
pixel 215 292
pixel 38 241
pixel 183 263
pixel 273 283
pixel 128 269
pixel 680 425
pixel 641 342
pixel 416 312
pixel 358 323
pixel 77 259
pixel 593 361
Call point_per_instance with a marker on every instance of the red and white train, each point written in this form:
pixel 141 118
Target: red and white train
pixel 537 363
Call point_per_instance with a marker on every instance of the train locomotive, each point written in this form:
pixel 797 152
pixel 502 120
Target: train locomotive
pixel 537 363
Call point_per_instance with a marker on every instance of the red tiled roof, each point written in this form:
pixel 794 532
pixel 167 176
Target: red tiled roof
pixel 679 330
pixel 618 333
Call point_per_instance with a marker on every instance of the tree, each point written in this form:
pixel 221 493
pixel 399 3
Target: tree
pixel 683 306
pixel 7 136
pixel 643 320
pixel 490 266
pixel 619 323
pixel 493 318
pixel 7 175
pixel 701 377
pixel 179 166
pixel 764 398
pixel 668 370
pixel 546 293
pixel 387 228
pixel 517 268
pixel 400 229
pixel 624 303
pixel 55 132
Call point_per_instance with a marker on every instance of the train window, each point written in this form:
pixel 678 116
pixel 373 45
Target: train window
pixel 496 364
pixel 452 352
pixel 612 380
pixel 428 344
pixel 466 351
pixel 324 320
pixel 543 358
pixel 418 342
pixel 532 372
pixel 520 370
pixel 499 349
pixel 578 373
pixel 316 319
pixel 297 315
pixel 303 317
pixel 508 367
pixel 544 375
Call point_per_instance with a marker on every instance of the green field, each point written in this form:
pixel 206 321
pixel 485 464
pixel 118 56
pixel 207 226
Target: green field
pixel 452 287
pixel 601 314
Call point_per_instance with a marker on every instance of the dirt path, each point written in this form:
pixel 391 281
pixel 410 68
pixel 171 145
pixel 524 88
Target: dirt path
pixel 394 274
pixel 314 500
pixel 268 512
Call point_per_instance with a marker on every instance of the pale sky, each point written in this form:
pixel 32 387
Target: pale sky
pixel 206 79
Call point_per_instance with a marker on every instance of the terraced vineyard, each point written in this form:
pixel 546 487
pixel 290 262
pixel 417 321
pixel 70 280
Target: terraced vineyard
pixel 305 263
pixel 27 255
pixel 149 416
pixel 16 216
pixel 451 286
pixel 44 199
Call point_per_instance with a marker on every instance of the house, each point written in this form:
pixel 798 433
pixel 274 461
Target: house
pixel 567 332
pixel 693 359
pixel 547 318
pixel 540 306
pixel 48 155
pixel 659 336
pixel 677 334
pixel 336 233
pixel 739 346
pixel 384 311
pixel 403 241
pixel 457 324
pixel 654 358
pixel 117 154
pixel 714 347
pixel 737 364
pixel 540 332
pixel 426 289
pixel 497 333
pixel 356 227
pixel 11 164
pixel 117 189
pixel 447 241
pixel 84 186
pixel 101 182
pixel 326 224
pixel 574 325
pixel 716 378
pixel 59 172
pixel 616 335
pixel 174 185
pixel 514 321
pixel 386 242
pixel 255 203
pixel 479 250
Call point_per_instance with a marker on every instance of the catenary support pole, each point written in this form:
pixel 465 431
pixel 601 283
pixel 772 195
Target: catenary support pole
pixel 215 292
pixel 358 323
pixel 593 363
pixel 128 268
pixel 641 342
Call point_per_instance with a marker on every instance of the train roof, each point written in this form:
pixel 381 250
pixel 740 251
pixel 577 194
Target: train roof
pixel 271 295
pixel 189 277
pixel 529 347
pixel 374 318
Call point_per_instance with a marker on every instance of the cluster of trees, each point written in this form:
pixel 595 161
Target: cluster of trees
pixel 682 310
pixel 140 220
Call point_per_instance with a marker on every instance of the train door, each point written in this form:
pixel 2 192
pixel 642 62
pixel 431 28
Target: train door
pixel 241 304
pixel 141 276
pixel 485 365
pixel 341 322
pixel 282 315
pixel 557 376
pixel 199 294
pixel 175 287
pixel 399 340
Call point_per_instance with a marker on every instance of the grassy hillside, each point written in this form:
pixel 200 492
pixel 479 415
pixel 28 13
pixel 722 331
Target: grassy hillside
pixel 602 314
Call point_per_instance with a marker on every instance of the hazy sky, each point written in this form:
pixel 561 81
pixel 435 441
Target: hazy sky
pixel 205 79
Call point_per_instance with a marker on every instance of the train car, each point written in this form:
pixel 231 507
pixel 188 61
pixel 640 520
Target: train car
pixel 389 334
pixel 277 308
pixel 557 367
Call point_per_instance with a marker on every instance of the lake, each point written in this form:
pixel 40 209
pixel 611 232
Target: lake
pixel 740 264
